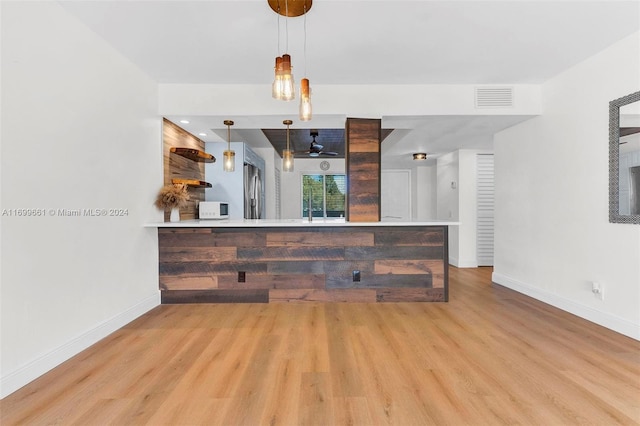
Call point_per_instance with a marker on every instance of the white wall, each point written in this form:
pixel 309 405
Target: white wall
pixel 425 192
pixel 467 212
pixel 552 232
pixel 459 204
pixel 354 101
pixel 291 183
pixel 80 130
pixel 396 194
pixel 447 207
pixel 226 186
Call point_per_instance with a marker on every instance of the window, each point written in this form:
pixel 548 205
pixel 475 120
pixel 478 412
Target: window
pixel 328 195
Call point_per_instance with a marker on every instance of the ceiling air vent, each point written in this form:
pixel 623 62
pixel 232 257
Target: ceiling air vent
pixel 494 97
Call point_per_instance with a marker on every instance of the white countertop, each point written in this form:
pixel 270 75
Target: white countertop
pixel 284 223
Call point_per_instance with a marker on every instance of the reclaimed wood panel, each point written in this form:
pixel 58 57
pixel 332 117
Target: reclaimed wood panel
pixel 362 166
pixel 346 267
pixel 211 268
pixel 226 239
pixel 319 238
pixel 305 259
pixel 333 295
pixel 292 253
pixel 371 280
pixel 170 231
pixel 390 252
pixel 428 236
pixel 176 166
pixel 385 266
pixel 214 296
pixel 410 295
pixel 296 267
pixel 196 254
pixel 206 282
pixel 254 281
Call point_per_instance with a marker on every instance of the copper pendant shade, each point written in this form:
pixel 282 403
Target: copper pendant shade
pixel 292 8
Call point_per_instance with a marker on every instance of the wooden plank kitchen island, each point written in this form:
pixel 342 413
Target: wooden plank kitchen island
pixel 264 261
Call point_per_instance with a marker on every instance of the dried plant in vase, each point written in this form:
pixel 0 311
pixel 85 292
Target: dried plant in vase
pixel 172 197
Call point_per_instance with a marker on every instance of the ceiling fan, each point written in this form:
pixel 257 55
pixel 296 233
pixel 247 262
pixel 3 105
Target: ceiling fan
pixel 316 149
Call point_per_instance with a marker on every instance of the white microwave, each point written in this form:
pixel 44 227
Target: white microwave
pixel 213 210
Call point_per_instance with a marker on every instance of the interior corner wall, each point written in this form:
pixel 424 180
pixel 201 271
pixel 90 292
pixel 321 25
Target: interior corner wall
pixel 77 263
pixel 552 232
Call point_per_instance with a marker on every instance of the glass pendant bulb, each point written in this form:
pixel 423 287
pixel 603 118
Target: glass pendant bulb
pixel 305 100
pixel 287 160
pixel 228 156
pixel 288 85
pixel 276 87
pixel 228 160
pixel 287 154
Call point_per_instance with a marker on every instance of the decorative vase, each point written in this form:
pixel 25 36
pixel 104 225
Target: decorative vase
pixel 175 215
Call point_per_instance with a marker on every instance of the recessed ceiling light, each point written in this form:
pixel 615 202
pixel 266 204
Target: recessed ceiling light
pixel 184 121
pixel 202 134
pixel 420 156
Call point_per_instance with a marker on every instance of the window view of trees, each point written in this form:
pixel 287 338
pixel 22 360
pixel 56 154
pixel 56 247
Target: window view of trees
pixel 327 194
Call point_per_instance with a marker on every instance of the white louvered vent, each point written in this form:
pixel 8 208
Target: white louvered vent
pixel 485 199
pixel 494 97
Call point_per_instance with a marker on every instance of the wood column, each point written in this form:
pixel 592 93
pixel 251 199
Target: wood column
pixel 363 137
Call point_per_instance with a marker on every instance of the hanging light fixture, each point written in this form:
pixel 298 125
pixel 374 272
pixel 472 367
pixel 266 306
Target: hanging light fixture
pixel 305 91
pixel 305 100
pixel 228 156
pixel 283 87
pixel 287 154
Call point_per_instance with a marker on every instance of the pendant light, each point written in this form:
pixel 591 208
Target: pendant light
pixel 305 91
pixel 283 87
pixel 287 154
pixel 228 156
pixel 305 100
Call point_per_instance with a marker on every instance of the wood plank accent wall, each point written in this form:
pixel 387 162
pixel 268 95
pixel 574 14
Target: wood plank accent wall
pixel 176 166
pixel 303 264
pixel 362 164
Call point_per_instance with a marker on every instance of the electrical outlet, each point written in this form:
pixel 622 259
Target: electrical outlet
pixel 356 276
pixel 242 276
pixel 598 290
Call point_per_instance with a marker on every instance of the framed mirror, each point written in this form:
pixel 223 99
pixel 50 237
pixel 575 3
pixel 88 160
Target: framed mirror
pixel 624 159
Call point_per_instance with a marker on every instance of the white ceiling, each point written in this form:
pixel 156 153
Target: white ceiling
pixel 365 42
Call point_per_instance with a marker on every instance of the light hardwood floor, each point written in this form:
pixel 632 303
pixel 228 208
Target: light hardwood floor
pixel 490 356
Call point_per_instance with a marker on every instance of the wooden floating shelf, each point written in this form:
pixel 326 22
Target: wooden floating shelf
pixel 194 154
pixel 193 183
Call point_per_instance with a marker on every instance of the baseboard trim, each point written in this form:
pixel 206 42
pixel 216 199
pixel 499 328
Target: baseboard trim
pixel 612 322
pixel 464 263
pixel 13 381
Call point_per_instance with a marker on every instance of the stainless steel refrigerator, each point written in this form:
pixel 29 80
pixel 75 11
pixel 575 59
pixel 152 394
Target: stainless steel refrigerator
pixel 252 192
